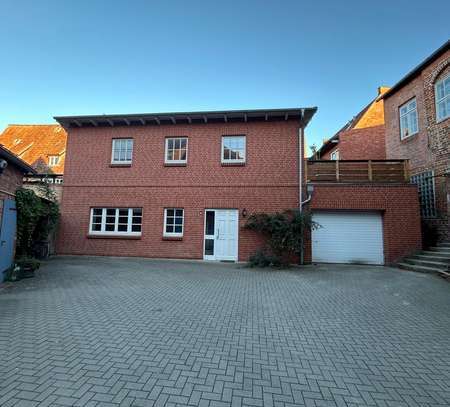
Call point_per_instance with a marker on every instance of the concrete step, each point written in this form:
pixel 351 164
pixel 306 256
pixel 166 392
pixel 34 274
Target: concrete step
pixel 420 269
pixel 443 249
pixel 436 253
pixel 444 244
pixel 427 263
pixel 429 257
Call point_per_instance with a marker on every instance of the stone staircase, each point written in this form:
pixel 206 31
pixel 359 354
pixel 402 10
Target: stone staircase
pixel 433 260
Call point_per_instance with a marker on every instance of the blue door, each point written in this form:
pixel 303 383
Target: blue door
pixel 7 236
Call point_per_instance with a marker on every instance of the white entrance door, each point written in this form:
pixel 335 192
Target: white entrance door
pixel 221 234
pixel 348 237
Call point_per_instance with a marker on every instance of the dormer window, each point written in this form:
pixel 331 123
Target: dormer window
pixel 335 155
pixel 53 160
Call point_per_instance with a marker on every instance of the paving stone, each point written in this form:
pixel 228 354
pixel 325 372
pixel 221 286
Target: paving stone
pixel 133 332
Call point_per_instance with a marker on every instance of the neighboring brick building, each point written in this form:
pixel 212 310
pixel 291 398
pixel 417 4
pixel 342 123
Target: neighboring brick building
pixel 42 146
pixel 417 115
pixel 11 178
pixel 180 185
pixel 360 139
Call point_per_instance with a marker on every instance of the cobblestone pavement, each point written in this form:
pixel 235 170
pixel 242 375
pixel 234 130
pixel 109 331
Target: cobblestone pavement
pixel 133 332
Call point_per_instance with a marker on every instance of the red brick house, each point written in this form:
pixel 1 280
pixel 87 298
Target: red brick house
pixel 180 185
pixel 417 115
pixel 362 138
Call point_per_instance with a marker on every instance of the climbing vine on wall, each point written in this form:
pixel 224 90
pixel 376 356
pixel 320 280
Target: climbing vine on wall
pixel 37 216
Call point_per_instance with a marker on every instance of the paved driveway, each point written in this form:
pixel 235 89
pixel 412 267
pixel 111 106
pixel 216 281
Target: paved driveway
pixel 133 332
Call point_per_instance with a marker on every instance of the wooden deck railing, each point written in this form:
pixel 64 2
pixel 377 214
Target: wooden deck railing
pixel 383 171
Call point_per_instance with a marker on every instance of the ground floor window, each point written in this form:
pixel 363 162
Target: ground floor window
pixel 173 222
pixel 425 185
pixel 116 221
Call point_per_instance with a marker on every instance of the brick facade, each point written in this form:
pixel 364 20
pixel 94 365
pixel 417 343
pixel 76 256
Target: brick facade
pixel 10 181
pixel 398 204
pixel 360 144
pixel 429 149
pixel 268 182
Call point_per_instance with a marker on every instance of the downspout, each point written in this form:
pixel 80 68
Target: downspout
pixel 300 174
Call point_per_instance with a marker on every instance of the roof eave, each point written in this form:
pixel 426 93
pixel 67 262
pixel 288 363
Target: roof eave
pixel 304 115
pixel 416 71
pixel 12 158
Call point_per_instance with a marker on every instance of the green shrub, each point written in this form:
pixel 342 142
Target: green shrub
pixel 263 259
pixel 284 233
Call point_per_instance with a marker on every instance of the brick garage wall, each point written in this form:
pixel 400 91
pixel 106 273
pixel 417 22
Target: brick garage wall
pixel 399 205
pixel 361 144
pixel 429 149
pixel 267 183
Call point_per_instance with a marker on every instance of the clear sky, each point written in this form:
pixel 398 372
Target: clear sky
pixel 66 57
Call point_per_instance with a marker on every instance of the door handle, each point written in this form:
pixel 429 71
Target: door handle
pixel 218 234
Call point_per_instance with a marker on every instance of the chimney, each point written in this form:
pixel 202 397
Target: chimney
pixel 382 90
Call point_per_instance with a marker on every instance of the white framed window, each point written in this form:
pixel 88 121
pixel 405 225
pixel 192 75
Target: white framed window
pixel 408 119
pixel 233 149
pixel 173 222
pixel 176 150
pixel 122 151
pixel 427 199
pixel 53 160
pixel 442 95
pixel 335 155
pixel 116 221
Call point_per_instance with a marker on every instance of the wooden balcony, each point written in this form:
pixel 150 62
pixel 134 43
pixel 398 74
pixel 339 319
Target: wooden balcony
pixel 357 171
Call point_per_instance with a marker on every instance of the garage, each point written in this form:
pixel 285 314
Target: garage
pixel 348 237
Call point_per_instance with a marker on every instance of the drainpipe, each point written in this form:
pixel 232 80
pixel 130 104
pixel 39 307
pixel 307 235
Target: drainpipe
pixel 300 161
pixel 300 174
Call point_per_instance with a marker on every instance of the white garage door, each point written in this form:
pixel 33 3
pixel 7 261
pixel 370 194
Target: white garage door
pixel 348 237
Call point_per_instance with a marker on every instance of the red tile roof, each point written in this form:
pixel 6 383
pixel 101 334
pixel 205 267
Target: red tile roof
pixel 36 143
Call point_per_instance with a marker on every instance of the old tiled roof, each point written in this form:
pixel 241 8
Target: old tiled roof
pixel 372 115
pixel 36 143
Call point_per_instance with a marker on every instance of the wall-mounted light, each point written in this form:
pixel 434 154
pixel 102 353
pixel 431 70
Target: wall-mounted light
pixel 244 213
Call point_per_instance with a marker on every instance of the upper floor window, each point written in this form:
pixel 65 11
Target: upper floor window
pixel 442 94
pixel 116 221
pixel 233 149
pixel 53 160
pixel 408 119
pixel 176 150
pixel 425 186
pixel 173 222
pixel 335 155
pixel 122 151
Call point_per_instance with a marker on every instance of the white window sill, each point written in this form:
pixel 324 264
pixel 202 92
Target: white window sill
pixel 408 136
pixel 238 162
pixel 175 162
pixel 121 162
pixel 172 234
pixel 94 235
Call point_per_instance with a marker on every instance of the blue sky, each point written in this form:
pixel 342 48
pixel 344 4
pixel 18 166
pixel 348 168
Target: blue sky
pixel 92 57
